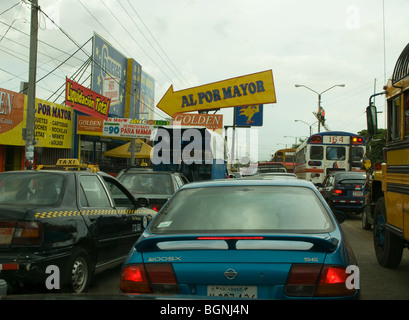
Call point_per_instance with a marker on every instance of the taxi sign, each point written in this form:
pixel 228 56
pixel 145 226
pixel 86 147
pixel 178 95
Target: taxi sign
pixel 69 164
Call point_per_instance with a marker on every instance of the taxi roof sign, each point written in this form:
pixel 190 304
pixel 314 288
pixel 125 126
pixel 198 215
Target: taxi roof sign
pixel 67 162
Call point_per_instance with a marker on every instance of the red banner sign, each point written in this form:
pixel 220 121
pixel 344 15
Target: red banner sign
pixel 85 100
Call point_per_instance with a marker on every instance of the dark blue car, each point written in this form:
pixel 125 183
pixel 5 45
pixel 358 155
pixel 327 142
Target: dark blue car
pixel 259 239
pixel 344 190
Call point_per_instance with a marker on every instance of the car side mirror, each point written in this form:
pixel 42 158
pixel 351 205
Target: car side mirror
pixel 339 215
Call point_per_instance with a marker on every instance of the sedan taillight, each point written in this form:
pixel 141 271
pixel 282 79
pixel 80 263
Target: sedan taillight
pixel 313 280
pixel 22 232
pixel 337 192
pixel 28 233
pixel 149 278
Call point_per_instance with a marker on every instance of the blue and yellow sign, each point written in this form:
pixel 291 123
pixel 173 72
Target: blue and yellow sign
pixel 249 116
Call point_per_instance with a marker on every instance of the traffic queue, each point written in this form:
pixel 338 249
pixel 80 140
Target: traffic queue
pixel 81 222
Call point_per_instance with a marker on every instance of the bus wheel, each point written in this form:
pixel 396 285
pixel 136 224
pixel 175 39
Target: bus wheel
pixel 388 246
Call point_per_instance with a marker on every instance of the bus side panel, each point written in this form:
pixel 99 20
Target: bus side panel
pixel 394 203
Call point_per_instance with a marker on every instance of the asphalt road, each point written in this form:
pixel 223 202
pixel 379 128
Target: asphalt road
pixel 376 282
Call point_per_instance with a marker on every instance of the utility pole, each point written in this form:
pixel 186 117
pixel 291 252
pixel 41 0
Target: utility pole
pixel 28 133
pixel 319 115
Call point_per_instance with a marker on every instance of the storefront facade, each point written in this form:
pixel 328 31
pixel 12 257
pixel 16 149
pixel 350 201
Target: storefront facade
pixel 53 131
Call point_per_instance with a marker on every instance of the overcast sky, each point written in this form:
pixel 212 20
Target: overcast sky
pixel 187 43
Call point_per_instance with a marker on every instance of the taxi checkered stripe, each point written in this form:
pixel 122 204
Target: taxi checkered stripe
pixel 56 214
pixel 72 213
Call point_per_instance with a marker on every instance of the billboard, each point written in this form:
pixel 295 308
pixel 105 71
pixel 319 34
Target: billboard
pixel 109 75
pixel 146 101
pixel 133 90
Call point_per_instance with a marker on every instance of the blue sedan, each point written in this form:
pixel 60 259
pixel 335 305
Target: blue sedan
pixel 260 239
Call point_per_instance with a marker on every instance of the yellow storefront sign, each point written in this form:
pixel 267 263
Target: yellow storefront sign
pixel 53 125
pixel 12 117
pixel 53 122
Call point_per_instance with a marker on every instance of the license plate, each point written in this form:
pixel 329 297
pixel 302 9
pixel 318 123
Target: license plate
pixel 6 235
pixel 249 292
pixel 358 193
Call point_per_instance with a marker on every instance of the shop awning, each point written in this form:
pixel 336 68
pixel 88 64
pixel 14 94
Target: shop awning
pixel 142 150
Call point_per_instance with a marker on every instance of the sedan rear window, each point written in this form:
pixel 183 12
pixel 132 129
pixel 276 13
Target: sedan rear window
pixel 351 179
pixel 148 183
pixel 31 189
pixel 243 209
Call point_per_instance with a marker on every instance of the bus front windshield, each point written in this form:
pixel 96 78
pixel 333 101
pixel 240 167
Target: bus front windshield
pixel 335 153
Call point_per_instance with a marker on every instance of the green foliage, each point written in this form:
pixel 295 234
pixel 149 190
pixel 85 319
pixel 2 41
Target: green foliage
pixel 375 146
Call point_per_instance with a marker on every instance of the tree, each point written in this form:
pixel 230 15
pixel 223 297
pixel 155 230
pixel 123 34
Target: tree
pixel 374 148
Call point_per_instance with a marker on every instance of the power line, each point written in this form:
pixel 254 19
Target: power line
pixel 64 61
pixel 40 41
pixel 136 13
pixel 90 56
pixel 126 30
pixel 80 48
pixel 143 34
pixel 10 8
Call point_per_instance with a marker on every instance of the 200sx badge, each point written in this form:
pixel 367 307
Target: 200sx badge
pixel 164 259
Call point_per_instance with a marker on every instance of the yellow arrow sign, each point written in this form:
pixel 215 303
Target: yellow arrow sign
pixel 256 88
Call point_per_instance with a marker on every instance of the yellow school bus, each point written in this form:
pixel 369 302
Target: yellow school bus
pixel 390 186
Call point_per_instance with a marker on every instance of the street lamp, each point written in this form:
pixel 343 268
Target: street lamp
pixel 296 138
pixel 319 95
pixel 310 125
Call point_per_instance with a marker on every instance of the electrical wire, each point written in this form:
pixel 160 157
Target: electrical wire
pixel 77 45
pixel 10 8
pixel 160 56
pixel 94 61
pixel 57 67
pixel 150 33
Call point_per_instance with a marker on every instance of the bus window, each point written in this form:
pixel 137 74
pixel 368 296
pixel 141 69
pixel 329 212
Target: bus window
pixel 335 153
pixel 279 157
pixel 316 153
pixel 394 117
pixel 289 156
pixel 300 156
